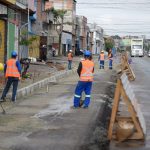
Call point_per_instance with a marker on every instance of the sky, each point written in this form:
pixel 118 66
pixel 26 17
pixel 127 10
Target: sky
pixel 118 17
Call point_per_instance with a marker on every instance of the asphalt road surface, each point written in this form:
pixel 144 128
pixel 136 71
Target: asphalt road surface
pixel 141 87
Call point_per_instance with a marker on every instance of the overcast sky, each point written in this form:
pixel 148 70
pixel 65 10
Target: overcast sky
pixel 118 17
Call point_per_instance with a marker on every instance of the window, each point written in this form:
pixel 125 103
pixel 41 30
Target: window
pixel 137 46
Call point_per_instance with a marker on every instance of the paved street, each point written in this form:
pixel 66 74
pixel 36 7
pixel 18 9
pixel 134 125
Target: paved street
pixel 141 87
pixel 46 121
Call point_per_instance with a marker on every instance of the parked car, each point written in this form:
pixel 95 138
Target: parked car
pixel 149 53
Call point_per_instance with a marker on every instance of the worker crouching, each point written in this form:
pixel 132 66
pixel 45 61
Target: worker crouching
pixel 85 71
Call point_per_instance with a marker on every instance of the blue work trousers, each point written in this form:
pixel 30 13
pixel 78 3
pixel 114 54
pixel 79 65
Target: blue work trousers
pixel 101 64
pixel 110 64
pixel 86 87
pixel 11 81
pixel 69 64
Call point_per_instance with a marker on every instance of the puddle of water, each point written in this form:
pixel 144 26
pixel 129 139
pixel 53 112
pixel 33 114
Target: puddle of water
pixel 58 107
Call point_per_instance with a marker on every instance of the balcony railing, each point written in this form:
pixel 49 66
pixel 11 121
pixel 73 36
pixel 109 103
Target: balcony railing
pixel 23 2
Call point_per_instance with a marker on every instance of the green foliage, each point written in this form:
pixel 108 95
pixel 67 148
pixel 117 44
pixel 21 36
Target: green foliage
pixel 109 43
pixel 108 46
pixel 25 40
pixel 58 13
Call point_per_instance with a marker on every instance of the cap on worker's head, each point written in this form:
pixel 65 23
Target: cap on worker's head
pixel 14 54
pixel 87 53
pixel 70 50
pixel 102 51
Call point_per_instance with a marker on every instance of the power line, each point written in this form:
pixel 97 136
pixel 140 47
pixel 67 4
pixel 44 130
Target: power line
pixel 110 3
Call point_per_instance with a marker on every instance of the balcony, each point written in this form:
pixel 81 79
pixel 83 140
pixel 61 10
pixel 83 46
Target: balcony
pixel 22 3
pixel 11 1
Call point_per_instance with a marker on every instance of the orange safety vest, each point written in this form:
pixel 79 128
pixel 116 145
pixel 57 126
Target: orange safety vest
pixel 102 57
pixel 87 70
pixel 12 70
pixel 70 57
pixel 110 56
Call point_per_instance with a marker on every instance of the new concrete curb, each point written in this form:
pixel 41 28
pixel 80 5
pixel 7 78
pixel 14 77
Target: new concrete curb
pixel 31 88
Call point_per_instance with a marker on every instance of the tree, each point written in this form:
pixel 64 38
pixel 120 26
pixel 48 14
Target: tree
pixel 25 40
pixel 109 43
pixel 58 21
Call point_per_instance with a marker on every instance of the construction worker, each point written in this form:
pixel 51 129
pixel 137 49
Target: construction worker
pixel 110 57
pixel 70 58
pixel 102 59
pixel 12 72
pixel 85 71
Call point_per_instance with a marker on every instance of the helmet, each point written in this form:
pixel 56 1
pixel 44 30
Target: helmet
pixel 14 53
pixel 102 51
pixel 87 53
pixel 70 50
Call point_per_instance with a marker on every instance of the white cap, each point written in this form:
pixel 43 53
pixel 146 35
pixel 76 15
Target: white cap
pixel 70 50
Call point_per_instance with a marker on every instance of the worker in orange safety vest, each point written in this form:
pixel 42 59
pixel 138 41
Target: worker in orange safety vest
pixel 70 58
pixel 85 71
pixel 110 58
pixel 12 72
pixel 101 59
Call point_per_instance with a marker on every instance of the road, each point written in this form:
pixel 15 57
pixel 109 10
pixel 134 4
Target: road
pixel 141 88
pixel 46 121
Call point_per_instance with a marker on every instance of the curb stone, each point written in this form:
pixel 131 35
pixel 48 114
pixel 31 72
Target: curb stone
pixel 37 85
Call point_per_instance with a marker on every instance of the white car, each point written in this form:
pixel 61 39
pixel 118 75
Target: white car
pixel 149 54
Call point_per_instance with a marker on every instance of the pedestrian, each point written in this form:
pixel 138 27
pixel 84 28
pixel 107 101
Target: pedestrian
pixel 70 58
pixel 101 59
pixel 110 58
pixel 12 71
pixel 53 51
pixel 43 53
pixel 85 71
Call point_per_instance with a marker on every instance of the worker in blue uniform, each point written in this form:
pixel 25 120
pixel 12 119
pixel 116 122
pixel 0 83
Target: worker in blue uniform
pixel 85 71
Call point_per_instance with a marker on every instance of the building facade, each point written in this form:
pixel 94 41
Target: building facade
pixel 82 33
pixel 97 40
pixel 66 25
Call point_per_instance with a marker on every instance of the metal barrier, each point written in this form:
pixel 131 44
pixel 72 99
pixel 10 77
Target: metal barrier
pixel 132 117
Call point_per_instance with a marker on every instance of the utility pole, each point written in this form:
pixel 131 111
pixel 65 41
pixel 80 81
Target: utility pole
pixel 61 31
pixel 60 36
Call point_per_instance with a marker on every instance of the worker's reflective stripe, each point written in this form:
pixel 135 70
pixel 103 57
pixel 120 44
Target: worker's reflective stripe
pixel 77 96
pixel 13 73
pixel 88 72
pixel 88 96
pixel 12 67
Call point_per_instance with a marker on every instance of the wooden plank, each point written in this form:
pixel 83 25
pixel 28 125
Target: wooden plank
pixel 114 108
pixel 133 113
pixel 129 92
pixel 120 118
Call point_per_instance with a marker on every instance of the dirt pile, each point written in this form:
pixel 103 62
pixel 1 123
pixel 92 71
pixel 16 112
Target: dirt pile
pixel 98 137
